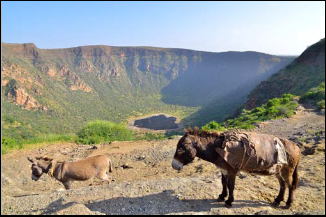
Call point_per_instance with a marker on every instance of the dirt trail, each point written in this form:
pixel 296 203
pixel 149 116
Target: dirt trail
pixel 148 184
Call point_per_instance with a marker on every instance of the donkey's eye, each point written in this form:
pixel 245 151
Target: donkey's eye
pixel 181 151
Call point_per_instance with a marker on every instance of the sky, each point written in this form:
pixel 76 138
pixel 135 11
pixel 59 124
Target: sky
pixel 281 28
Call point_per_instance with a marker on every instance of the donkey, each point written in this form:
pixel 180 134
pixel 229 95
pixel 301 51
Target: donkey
pixel 207 146
pixel 66 172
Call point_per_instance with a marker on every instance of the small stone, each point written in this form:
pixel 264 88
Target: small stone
pixel 126 166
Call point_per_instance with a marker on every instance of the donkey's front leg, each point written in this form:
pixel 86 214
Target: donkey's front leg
pixel 224 194
pixel 231 183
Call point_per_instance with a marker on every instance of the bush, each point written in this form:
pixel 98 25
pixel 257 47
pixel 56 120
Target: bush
pixel 283 111
pixel 321 104
pixel 213 126
pixel 315 96
pixel 103 131
pixel 8 144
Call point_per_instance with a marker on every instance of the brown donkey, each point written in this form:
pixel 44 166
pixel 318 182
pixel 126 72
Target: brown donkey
pixel 66 172
pixel 233 151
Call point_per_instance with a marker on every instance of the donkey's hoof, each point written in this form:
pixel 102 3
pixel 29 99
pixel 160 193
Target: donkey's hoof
pixel 228 205
pixel 220 199
pixel 276 203
pixel 288 206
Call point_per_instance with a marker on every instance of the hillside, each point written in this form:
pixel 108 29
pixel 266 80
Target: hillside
pixel 59 90
pixel 305 72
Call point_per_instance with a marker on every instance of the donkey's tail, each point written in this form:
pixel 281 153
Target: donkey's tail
pixel 295 178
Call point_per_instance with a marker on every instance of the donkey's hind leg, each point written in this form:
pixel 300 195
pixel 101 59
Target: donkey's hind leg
pixel 104 176
pixel 224 194
pixel 280 196
pixel 67 185
pixel 231 182
pixel 287 175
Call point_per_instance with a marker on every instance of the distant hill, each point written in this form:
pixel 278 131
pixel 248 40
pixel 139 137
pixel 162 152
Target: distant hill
pixel 59 90
pixel 305 72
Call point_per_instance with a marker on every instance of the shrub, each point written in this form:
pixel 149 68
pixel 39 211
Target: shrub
pixel 321 104
pixel 8 144
pixel 103 131
pixel 283 111
pixel 315 96
pixel 213 126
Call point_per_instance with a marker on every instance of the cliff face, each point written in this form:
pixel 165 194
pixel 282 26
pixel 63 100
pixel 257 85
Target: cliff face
pixel 102 82
pixel 306 72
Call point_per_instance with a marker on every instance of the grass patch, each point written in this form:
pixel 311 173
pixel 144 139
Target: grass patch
pixel 315 96
pixel 149 136
pixel 274 109
pixel 9 144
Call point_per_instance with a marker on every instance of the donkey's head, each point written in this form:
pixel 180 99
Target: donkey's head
pixel 40 165
pixel 186 150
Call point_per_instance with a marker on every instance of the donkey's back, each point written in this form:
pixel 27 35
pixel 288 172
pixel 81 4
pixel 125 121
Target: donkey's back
pixel 88 168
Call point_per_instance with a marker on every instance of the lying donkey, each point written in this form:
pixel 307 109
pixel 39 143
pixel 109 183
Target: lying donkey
pixel 66 172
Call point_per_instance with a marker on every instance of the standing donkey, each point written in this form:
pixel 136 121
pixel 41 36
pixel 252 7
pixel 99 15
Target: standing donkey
pixel 66 172
pixel 232 152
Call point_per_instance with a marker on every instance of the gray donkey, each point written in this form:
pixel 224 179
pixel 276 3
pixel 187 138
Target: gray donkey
pixel 66 172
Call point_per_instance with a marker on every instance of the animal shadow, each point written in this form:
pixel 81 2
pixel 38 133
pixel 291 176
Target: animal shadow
pixel 162 203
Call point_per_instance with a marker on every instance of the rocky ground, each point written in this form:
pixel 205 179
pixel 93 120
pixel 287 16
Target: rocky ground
pixel 145 183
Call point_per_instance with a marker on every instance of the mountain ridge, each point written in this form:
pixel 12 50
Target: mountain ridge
pixel 81 84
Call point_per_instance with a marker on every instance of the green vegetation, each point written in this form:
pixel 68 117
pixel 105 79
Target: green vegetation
pixel 9 144
pixel 213 126
pixel 157 136
pixel 315 96
pixel 274 109
pixel 103 131
pixel 149 136
pixel 321 104
pixel 94 132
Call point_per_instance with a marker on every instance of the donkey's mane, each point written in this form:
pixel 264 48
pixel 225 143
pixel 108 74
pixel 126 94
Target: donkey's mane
pixel 203 133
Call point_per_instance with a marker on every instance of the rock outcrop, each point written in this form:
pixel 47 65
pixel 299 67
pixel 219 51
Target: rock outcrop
pixel 19 96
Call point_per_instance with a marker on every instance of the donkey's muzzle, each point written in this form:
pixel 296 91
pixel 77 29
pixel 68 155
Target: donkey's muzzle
pixel 34 178
pixel 177 165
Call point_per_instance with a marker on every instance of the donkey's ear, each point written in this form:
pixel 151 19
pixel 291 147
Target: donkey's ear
pixel 190 130
pixel 43 157
pixel 196 131
pixel 30 159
